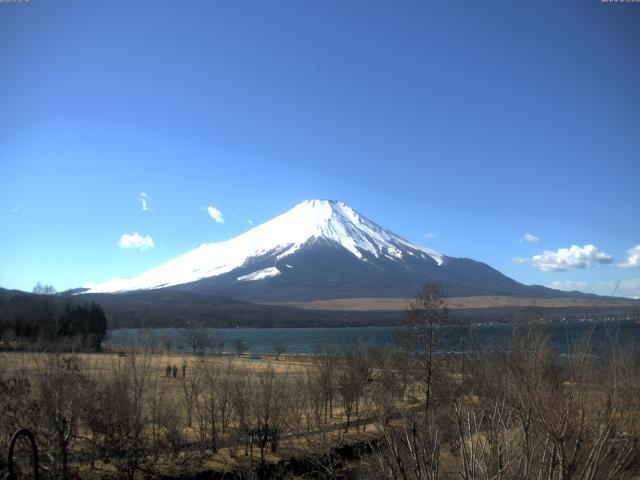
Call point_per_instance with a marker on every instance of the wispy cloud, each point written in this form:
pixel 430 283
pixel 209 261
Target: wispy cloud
pixel 569 285
pixel 531 238
pixel 519 260
pixel 135 241
pixel 633 258
pixel 430 235
pixel 145 201
pixel 629 288
pixel 215 214
pixel 572 258
pixel 15 210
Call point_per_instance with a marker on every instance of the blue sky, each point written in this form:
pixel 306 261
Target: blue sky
pixel 462 126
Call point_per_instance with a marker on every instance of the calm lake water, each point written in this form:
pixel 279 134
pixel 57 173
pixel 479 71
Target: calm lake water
pixel 312 340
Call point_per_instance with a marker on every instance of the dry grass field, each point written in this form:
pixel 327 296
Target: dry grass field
pixel 396 304
pixel 522 413
pixel 96 364
pixel 176 408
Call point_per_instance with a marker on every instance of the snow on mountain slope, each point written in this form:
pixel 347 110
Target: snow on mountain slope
pixel 260 274
pixel 282 236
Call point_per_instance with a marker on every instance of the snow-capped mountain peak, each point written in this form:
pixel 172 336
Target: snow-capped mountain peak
pixel 284 235
pixel 339 222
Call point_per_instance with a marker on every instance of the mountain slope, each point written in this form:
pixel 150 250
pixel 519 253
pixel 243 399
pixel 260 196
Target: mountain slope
pixel 310 222
pixel 319 250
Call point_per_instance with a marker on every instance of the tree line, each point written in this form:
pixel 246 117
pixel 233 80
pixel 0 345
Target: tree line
pixel 43 318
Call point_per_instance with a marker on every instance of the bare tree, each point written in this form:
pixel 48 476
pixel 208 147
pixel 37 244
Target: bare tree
pixel 211 404
pixel 352 378
pixel 227 373
pixel 391 382
pixel 217 344
pixel 535 414
pixel 242 393
pixel 117 416
pixel 326 362
pixel 190 388
pixel 166 343
pixel 280 348
pixel 241 346
pixel 410 450
pixel 315 407
pixel 424 315
pixel 16 390
pixel 269 407
pixel 298 401
pixel 196 338
pixel 59 390
pixel 41 289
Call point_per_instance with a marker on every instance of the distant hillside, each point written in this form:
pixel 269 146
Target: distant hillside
pixel 169 308
pixel 458 303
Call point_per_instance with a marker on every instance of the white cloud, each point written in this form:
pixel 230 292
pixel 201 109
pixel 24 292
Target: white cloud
pixel 519 260
pixel 215 214
pixel 430 235
pixel 144 200
pixel 136 241
pixel 531 238
pixel 629 288
pixel 572 258
pixel 633 258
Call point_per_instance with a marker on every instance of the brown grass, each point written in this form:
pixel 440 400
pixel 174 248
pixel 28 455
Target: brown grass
pixel 397 304
pixel 97 363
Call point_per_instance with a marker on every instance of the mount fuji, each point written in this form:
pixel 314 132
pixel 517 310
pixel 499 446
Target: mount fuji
pixel 320 249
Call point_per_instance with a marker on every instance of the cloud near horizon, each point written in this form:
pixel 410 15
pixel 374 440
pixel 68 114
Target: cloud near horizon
pixel 569 285
pixel 215 214
pixel 519 260
pixel 633 258
pixel 629 288
pixel 430 235
pixel 572 258
pixel 136 241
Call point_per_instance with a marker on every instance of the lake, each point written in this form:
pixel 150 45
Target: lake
pixel 312 340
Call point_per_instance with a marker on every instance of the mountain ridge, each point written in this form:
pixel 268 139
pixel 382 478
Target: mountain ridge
pixel 321 249
pixel 278 238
